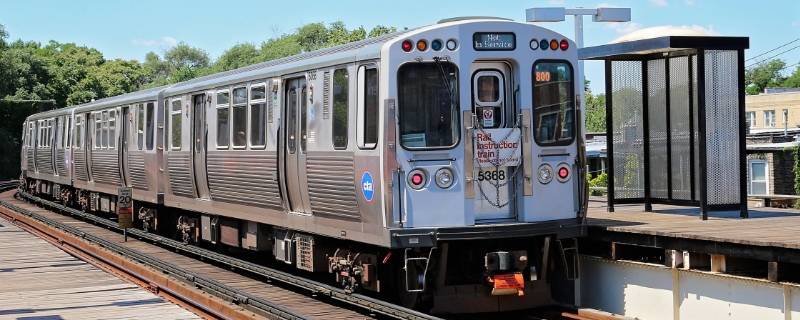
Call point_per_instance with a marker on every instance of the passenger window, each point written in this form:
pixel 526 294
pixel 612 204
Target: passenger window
pixel 427 103
pixel 176 113
pixel 340 108
pixel 112 129
pixel 223 120
pixel 77 142
pixel 239 113
pixel 368 107
pixel 104 143
pixel 98 129
pixel 140 127
pixel 67 125
pixel 150 126
pixel 553 103
pixel 57 137
pixel 258 116
pixel 291 120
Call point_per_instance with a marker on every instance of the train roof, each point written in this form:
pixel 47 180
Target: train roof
pixel 346 53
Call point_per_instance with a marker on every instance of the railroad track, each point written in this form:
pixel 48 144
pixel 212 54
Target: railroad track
pixel 358 305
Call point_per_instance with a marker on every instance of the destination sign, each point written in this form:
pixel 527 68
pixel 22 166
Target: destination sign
pixel 487 41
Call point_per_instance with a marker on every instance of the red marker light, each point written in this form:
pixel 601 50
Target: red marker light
pixel 407 45
pixel 553 44
pixel 564 44
pixel 563 172
pixel 417 179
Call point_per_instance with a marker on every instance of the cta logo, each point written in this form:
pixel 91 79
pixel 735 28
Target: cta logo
pixel 367 186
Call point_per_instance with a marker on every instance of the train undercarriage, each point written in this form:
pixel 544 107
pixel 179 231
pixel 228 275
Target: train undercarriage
pixel 463 276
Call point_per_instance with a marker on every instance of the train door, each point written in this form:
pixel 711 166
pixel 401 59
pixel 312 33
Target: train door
pixel 124 137
pixel 495 120
pixel 199 135
pixel 296 103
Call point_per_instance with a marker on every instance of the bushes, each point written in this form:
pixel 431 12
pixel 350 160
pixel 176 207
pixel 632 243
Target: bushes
pixel 600 181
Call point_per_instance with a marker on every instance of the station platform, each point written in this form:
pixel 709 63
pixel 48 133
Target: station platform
pixel 769 234
pixel 40 281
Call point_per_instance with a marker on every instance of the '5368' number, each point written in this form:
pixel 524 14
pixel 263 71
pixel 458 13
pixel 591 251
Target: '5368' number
pixel 491 175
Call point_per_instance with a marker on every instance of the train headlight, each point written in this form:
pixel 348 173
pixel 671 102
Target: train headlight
pixel 452 44
pixel 417 179
pixel 545 174
pixel 445 178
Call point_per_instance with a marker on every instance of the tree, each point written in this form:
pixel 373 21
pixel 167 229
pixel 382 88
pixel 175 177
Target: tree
pixel 380 30
pixel 112 78
pixel 793 81
pixel 764 75
pixel 185 62
pixel 240 55
pixel 284 46
pixel 312 36
pixel 595 112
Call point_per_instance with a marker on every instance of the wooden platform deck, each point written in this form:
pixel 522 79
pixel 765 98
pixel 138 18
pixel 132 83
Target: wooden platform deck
pixel 39 281
pixel 769 227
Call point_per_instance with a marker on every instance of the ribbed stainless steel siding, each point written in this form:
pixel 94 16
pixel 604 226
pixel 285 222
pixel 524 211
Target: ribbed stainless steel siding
pixel 331 186
pixel 105 167
pixel 244 177
pixel 137 171
pixel 30 159
pixel 80 165
pixel 61 166
pixel 44 162
pixel 180 174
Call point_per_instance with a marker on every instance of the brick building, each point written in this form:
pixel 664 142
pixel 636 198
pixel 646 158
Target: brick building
pixel 770 162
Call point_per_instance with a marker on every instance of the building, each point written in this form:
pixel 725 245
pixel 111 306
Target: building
pixel 776 108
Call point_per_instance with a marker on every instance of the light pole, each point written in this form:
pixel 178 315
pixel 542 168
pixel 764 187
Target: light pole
pixel 557 14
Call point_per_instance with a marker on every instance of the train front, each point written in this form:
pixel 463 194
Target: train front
pixel 484 170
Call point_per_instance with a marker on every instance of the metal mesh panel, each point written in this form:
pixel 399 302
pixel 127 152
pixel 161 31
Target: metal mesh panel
pixel 679 128
pixel 696 127
pixel 722 123
pixel 657 114
pixel 626 87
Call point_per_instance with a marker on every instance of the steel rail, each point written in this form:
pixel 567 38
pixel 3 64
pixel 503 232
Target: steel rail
pixel 211 286
pixel 358 300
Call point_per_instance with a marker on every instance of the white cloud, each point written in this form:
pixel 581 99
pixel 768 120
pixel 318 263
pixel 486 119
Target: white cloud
pixel 689 2
pixel 659 3
pixel 165 41
pixel 660 31
pixel 796 23
pixel 623 27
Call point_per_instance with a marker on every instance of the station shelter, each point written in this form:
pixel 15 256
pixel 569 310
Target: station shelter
pixel 675 121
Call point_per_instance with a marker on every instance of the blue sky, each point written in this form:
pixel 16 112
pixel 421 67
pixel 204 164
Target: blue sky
pixel 129 29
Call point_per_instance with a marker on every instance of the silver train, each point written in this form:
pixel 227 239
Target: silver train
pixel 440 165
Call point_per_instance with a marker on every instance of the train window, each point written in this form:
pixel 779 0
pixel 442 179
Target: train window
pixel 57 135
pixel 104 143
pixel 150 126
pixel 489 98
pixel 223 120
pixel 341 108
pixel 112 129
pixel 488 88
pixel 176 113
pixel 368 107
pixel 553 103
pixel 239 117
pixel 291 121
pixel 67 132
pixel 428 105
pixel 98 129
pixel 258 116
pixel 77 141
pixel 140 126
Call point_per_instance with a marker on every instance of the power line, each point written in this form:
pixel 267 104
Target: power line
pixel 772 57
pixel 773 49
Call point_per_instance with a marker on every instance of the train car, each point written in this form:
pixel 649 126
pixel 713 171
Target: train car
pixel 440 165
pixel 46 151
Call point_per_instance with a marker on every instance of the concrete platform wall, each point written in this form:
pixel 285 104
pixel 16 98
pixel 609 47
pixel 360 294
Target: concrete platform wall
pixel 648 291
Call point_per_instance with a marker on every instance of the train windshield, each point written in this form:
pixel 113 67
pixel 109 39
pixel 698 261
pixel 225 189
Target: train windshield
pixel 553 102
pixel 428 105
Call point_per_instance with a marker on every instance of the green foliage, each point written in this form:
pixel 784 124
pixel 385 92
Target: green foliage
pixel 793 81
pixel 764 75
pixel 595 112
pixel 238 56
pixel 796 153
pixel 600 181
